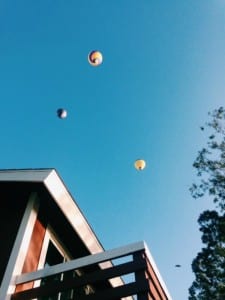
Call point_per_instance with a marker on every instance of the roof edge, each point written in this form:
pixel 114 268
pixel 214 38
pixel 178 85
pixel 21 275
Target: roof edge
pixel 25 175
pixel 72 212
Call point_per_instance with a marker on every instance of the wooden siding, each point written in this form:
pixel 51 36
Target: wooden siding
pixel 33 254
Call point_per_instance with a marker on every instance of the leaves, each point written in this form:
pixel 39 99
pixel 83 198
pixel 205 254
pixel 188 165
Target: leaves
pixel 209 264
pixel 210 162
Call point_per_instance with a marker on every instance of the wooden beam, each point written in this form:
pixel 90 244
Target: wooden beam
pixel 89 278
pixel 81 262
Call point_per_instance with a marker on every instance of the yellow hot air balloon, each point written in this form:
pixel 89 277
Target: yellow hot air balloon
pixel 95 58
pixel 140 164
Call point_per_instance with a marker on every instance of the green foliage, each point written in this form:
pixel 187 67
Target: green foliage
pixel 209 264
pixel 210 162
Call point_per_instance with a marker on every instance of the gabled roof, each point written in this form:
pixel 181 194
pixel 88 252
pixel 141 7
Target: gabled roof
pixel 50 179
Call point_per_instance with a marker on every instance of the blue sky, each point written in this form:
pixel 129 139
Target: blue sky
pixel 163 69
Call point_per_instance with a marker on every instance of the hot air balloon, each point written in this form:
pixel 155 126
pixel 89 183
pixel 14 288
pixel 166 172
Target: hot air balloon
pixel 140 164
pixel 62 113
pixel 95 58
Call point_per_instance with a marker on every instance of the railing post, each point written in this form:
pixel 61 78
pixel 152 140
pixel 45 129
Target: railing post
pixel 140 277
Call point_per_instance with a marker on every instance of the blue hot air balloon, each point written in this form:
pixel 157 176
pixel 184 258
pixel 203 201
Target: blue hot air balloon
pixel 61 113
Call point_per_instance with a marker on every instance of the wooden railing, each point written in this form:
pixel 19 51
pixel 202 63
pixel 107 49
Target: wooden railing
pixel 143 283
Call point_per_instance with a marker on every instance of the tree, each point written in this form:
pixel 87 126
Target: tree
pixel 209 264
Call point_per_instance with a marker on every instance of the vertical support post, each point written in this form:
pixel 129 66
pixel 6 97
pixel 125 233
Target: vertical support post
pixel 20 247
pixel 140 277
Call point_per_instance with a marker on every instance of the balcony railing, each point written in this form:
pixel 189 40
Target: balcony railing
pixel 129 271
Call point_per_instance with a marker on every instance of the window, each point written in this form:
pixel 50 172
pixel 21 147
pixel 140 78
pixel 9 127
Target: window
pixel 54 252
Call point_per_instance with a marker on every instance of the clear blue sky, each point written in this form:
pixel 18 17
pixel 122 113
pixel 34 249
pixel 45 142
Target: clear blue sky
pixel 163 70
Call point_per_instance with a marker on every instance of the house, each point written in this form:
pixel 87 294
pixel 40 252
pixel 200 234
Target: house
pixel 49 250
